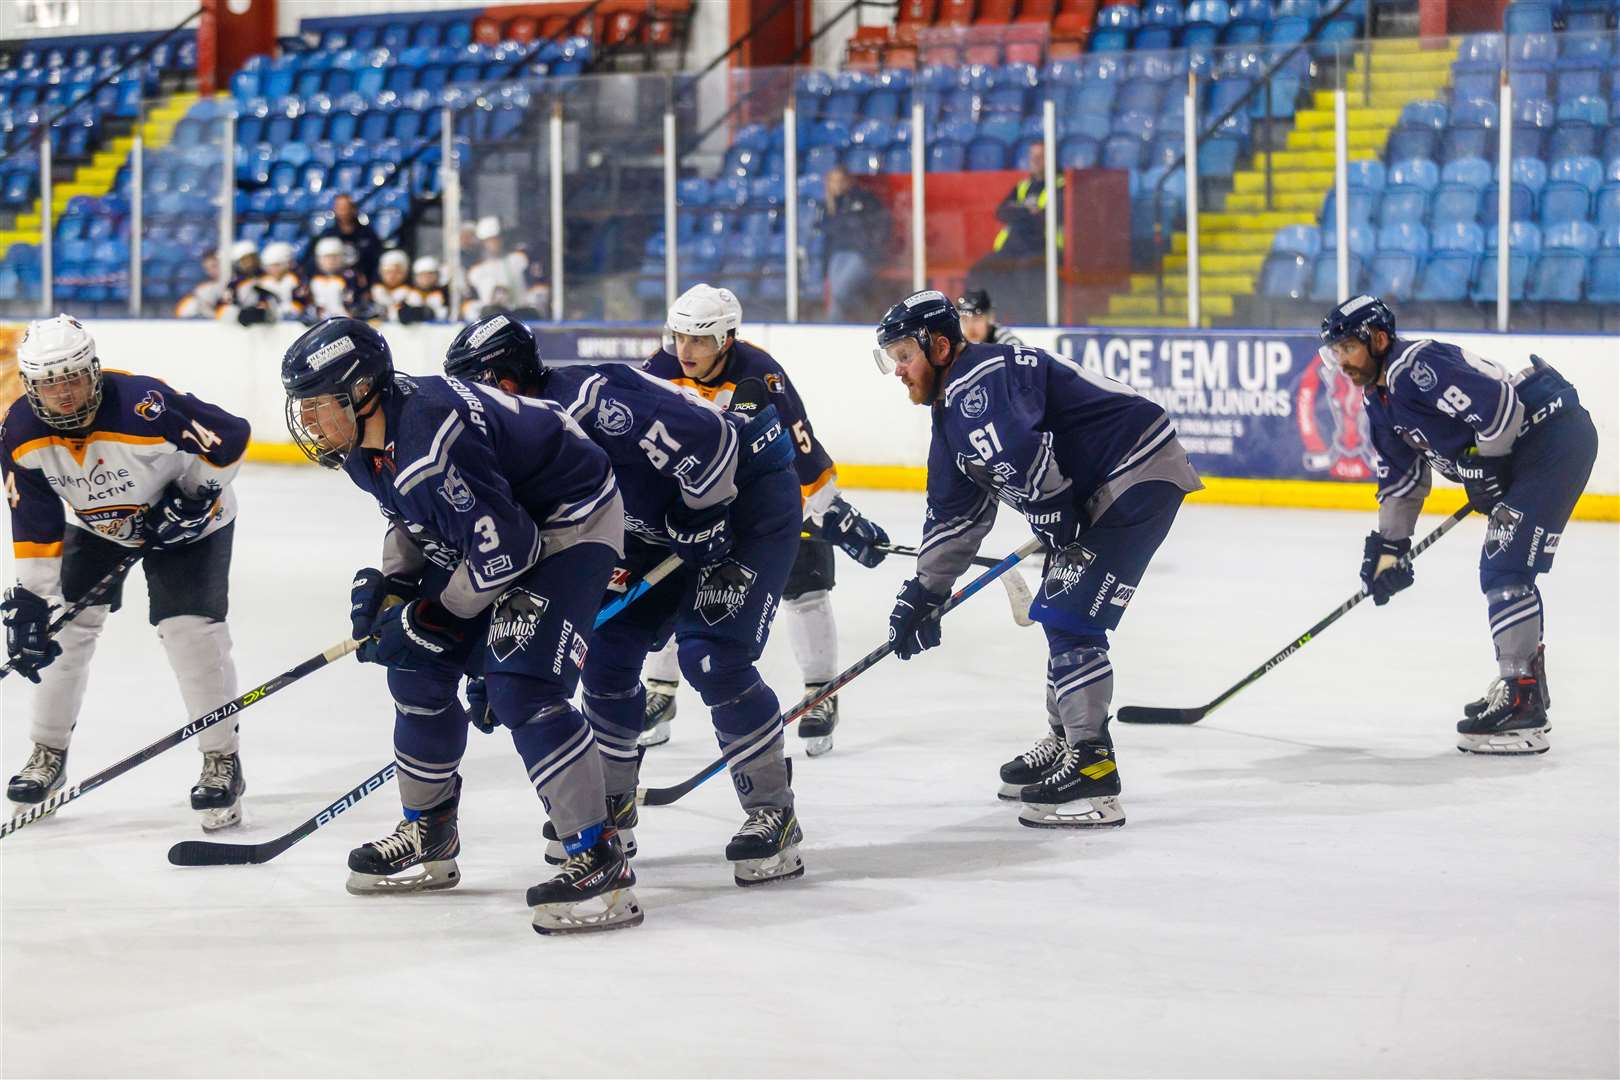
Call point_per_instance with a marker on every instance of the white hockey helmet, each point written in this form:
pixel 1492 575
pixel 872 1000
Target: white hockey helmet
pixel 394 257
pixel 242 249
pixel 427 264
pixel 53 352
pixel 277 254
pixel 704 309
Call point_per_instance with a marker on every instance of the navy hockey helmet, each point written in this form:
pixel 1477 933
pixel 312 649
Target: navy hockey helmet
pixel 343 359
pixel 974 302
pixel 495 347
pixel 1357 318
pixel 918 317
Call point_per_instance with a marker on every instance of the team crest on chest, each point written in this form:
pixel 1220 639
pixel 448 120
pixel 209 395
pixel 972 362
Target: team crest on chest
pixel 974 402
pixel 1423 376
pixel 614 417
pixel 517 616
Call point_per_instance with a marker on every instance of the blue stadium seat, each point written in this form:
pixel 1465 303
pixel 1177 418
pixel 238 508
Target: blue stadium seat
pixel 1363 240
pixel 1325 279
pixel 1403 204
pixel 1607 210
pixel 1603 278
pixel 1122 152
pixel 1078 152
pixel 1393 274
pixel 1432 115
pixel 1362 205
pixel 1412 143
pixel 1286 276
pixel 1456 203
pixel 1297 240
pixel 1366 175
pixel 985 154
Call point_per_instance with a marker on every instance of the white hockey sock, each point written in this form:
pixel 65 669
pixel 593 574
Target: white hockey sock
pixel 664 665
pixel 62 685
pixel 814 634
pixel 200 654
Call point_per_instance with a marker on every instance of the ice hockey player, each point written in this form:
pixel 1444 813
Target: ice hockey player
pixel 979 324
pixel 1522 447
pixel 393 293
pixel 335 289
pixel 143 467
pixel 504 524
pixel 1099 474
pixel 717 489
pixel 435 301
pixel 708 358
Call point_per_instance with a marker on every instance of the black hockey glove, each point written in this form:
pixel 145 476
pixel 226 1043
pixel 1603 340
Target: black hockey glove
pixel 1057 521
pixel 371 592
pixel 1382 572
pixel 28 633
pixel 411 313
pixel 699 537
pixel 478 706
pixel 177 518
pixel 416 636
pixel 252 316
pixel 1484 478
pixel 911 630
pixel 860 538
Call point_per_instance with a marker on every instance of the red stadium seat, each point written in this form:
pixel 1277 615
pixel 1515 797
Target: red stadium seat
pixel 956 12
pixel 996 11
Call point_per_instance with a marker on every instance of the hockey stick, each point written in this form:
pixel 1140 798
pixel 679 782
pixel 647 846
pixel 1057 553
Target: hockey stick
pixel 215 853
pixel 89 599
pixel 175 738
pixel 1018 595
pixel 665 796
pixel 1140 714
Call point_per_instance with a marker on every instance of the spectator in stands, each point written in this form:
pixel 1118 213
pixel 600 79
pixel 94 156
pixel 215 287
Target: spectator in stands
pixel 203 302
pixel 244 262
pixel 499 280
pixel 979 320
pixel 335 289
pixel 349 227
pixel 425 276
pixel 855 224
pixel 1015 268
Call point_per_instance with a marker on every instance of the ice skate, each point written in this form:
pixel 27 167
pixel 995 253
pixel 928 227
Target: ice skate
pixel 622 815
pixel 591 892
pixel 816 726
pixel 418 856
pixel 1513 721
pixel 660 711
pixel 1032 766
pixel 217 795
pixel 41 777
pixel 1081 792
pixel 766 848
pixel 1538 669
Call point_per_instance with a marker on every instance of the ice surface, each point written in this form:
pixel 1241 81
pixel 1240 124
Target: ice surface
pixel 1312 881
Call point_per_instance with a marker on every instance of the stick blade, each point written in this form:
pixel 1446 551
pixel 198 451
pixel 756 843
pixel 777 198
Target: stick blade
pixel 1141 714
pixel 207 853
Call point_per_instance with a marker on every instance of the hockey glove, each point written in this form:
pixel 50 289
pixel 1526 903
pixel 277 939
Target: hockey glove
pixel 911 628
pixel 1382 571
pixel 478 706
pixel 414 636
pixel 177 518
pixel 859 538
pixel 1485 479
pixel 371 592
pixel 699 537
pixel 252 316
pixel 410 313
pixel 28 633
pixel 1057 521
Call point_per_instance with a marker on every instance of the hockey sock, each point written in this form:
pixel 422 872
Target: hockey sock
pixel 814 634
pixel 1516 624
pixel 560 753
pixel 62 685
pixel 1081 683
pixel 199 651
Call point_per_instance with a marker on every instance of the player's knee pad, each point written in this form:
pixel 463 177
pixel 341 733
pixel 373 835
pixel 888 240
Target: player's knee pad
pixel 717 669
pixel 425 693
pixel 518 700
pixel 1493 580
pixel 78 638
pixel 1060 640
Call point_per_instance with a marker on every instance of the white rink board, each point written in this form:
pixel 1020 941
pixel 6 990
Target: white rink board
pixel 1313 882
pixel 861 416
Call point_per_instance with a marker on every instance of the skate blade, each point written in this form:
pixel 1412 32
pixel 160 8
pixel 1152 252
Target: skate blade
pixel 616 910
pixel 1506 743
pixel 1101 812
pixel 783 866
pixel 425 877
pixel 221 818
pixel 657 735
pixel 1010 792
pixel 816 745
pixel 556 854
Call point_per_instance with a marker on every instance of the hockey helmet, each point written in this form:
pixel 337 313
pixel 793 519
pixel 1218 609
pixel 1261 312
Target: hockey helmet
pixel 974 302
pixel 342 359
pixel 494 347
pixel 706 310
pixel 52 354
pixel 918 318
pixel 1357 318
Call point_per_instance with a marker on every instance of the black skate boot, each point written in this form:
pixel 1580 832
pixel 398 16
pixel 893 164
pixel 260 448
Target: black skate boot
pixel 41 777
pixel 766 848
pixel 1032 766
pixel 816 726
pixel 218 791
pixel 660 711
pixel 1514 720
pixel 419 855
pixel 1082 792
pixel 590 892
pixel 622 815
pixel 1538 668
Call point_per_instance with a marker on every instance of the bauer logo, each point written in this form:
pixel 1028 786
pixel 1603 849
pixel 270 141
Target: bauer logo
pixel 487 331
pixel 1423 376
pixel 974 402
pixel 614 417
pixel 517 616
pixel 1068 568
pixel 455 491
pixel 324 355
